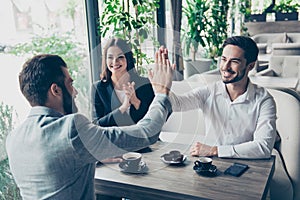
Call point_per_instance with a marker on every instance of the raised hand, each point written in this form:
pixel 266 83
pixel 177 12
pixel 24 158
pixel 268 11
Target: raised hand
pixel 162 75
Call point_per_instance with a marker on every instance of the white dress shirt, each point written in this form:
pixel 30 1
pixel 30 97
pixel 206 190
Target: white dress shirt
pixel 243 128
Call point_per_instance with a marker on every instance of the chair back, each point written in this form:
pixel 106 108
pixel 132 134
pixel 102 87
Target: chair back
pixel 285 66
pixel 288 127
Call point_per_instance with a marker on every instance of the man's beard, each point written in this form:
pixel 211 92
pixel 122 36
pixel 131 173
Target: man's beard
pixel 237 78
pixel 68 102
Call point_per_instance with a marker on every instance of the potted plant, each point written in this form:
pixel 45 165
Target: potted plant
pixel 286 11
pixel 206 30
pixel 258 17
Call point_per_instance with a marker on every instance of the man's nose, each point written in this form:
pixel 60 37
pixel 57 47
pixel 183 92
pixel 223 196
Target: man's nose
pixel 225 65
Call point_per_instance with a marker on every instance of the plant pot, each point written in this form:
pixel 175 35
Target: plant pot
pixel 279 16
pixel 196 67
pixel 257 17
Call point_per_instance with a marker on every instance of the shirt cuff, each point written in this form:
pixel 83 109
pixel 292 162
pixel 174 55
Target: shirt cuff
pixel 160 94
pixel 225 151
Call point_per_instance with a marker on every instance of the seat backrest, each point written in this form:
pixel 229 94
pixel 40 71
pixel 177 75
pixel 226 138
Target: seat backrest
pixel 276 37
pixel 288 127
pixel 294 37
pixel 268 38
pixel 285 66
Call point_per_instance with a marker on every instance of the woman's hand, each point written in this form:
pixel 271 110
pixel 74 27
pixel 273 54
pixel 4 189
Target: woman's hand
pixel 130 93
pixel 125 105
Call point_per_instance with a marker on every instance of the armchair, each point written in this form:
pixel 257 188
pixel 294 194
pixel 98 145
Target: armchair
pixel 282 66
pixel 277 44
pixel 285 183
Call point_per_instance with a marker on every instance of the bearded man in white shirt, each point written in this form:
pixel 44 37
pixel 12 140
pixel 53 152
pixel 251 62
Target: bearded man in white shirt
pixel 239 116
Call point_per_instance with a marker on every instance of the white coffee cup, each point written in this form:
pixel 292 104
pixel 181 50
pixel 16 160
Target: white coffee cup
pixel 132 160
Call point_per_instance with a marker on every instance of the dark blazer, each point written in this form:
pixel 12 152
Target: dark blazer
pixel 106 103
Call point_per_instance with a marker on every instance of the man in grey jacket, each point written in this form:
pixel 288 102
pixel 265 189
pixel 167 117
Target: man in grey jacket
pixel 52 154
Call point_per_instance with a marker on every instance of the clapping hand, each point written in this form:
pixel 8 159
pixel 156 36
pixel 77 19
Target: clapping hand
pixel 125 105
pixel 130 97
pixel 130 93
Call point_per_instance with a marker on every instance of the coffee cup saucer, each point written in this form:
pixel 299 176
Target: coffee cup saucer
pixel 173 162
pixel 141 169
pixel 212 171
pixel 173 157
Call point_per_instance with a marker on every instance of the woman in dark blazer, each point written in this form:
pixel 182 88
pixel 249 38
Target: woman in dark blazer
pixel 121 97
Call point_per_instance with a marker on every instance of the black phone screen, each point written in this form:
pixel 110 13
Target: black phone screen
pixel 237 169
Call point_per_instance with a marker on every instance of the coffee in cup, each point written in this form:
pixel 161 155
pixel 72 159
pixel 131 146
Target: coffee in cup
pixel 204 163
pixel 132 160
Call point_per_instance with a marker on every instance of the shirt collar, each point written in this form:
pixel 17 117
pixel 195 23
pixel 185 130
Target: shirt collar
pixel 43 110
pixel 248 95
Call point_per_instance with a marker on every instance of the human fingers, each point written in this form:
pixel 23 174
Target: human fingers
pixel 194 152
pixel 156 57
pixel 133 84
pixel 162 74
pixel 161 48
pixel 125 87
pixel 166 53
pixel 159 57
pixel 150 74
pixel 164 58
pixel 173 66
pixel 195 149
pixel 130 85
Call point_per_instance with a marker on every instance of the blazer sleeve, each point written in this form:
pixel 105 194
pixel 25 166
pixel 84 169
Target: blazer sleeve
pixel 106 142
pixel 97 105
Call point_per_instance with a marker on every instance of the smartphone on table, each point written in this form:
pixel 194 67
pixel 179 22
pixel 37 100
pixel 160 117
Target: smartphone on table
pixel 237 169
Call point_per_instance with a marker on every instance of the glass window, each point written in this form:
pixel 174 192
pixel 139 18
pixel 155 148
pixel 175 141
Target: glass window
pixel 33 27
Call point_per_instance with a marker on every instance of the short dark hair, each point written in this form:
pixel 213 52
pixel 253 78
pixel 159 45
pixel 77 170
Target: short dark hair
pixel 247 44
pixel 126 49
pixel 38 74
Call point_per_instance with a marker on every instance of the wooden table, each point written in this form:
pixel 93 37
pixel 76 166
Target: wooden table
pixel 181 182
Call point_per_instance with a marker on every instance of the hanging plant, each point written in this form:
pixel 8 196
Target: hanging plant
pixel 132 21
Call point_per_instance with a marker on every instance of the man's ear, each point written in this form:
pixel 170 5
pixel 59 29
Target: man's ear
pixel 55 90
pixel 251 65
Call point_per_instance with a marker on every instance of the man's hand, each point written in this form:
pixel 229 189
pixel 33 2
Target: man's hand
pixel 200 149
pixel 162 75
